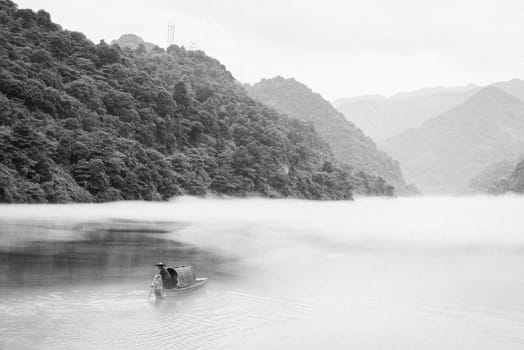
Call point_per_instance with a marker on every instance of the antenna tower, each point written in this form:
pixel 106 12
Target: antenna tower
pixel 170 34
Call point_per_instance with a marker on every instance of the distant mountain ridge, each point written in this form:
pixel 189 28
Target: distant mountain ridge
pixel 431 91
pixel 382 118
pixel 514 87
pixel 349 144
pixel 446 152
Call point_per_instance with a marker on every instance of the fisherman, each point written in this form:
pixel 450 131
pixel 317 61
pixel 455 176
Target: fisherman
pixel 166 276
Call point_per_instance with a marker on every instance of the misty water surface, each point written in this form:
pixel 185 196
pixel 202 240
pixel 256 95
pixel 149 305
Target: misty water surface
pixel 409 273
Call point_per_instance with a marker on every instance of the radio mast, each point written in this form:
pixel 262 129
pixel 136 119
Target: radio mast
pixel 170 34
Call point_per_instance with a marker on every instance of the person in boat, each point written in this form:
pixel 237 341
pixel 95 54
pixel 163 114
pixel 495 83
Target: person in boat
pixel 166 276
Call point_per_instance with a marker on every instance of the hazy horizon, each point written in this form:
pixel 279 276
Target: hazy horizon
pixel 371 48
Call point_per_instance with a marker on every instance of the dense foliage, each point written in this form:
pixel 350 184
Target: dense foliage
pixel 516 179
pixel 511 179
pixel 493 179
pixel 349 144
pixel 86 122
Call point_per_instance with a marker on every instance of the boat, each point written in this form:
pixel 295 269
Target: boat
pixel 183 280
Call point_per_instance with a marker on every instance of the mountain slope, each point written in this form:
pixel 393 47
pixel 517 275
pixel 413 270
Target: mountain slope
pixel 85 122
pixel 513 87
pixel 348 143
pixel 493 179
pixel 381 117
pixel 516 179
pixel 446 152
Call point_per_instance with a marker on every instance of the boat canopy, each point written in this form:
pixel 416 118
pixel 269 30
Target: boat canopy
pixel 184 274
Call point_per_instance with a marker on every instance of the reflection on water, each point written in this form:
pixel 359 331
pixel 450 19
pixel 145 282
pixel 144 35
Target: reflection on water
pixel 432 273
pixel 101 252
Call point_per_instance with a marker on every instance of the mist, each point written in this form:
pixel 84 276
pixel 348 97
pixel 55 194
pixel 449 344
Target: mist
pixel 283 273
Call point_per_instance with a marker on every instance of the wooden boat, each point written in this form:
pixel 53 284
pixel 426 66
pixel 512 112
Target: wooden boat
pixel 183 281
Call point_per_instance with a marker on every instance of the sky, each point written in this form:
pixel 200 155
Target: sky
pixel 339 48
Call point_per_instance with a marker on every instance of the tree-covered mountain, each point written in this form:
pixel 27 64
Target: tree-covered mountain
pixel 516 179
pixel 349 144
pixel 500 178
pixel 86 122
pixel 493 179
pixel 446 152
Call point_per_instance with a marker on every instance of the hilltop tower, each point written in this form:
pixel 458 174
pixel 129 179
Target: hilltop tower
pixel 170 34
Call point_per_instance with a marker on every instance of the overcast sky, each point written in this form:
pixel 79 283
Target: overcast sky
pixel 338 48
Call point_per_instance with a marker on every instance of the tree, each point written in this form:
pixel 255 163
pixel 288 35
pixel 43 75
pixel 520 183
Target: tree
pixel 180 94
pixel 106 54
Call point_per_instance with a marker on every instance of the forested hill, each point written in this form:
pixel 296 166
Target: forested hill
pixel 86 122
pixel 502 177
pixel 516 180
pixel 349 144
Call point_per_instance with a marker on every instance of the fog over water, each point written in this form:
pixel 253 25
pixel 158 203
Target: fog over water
pixel 404 273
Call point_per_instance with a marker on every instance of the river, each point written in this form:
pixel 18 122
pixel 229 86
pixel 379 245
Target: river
pixel 404 273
